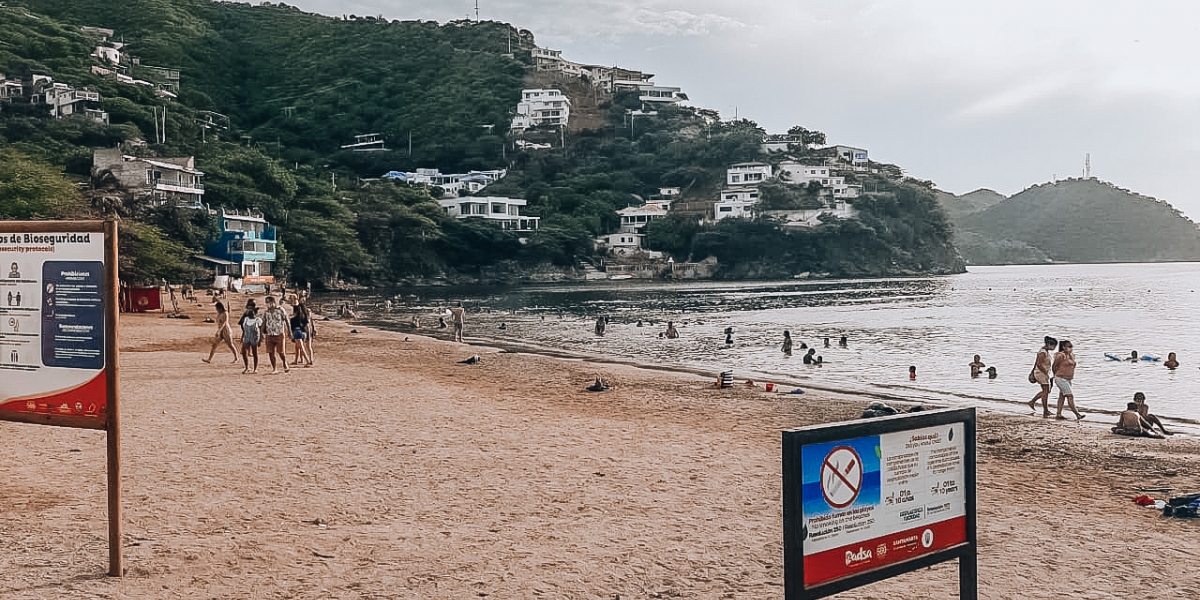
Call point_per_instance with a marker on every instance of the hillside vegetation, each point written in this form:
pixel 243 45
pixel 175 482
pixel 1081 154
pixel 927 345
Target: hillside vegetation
pixel 289 88
pixel 1077 220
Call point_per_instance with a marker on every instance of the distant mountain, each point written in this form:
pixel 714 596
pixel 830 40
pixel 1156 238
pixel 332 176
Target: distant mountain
pixel 1075 220
pixel 959 206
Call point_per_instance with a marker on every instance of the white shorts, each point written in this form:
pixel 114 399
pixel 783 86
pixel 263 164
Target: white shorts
pixel 1064 386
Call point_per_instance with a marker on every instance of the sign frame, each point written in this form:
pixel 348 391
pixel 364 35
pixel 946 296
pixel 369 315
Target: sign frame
pixel 793 514
pixel 111 424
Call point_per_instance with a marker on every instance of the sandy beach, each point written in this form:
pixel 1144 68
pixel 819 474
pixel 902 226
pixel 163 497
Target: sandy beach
pixel 389 470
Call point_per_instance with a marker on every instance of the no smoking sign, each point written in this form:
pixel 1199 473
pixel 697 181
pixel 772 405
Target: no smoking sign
pixel 841 476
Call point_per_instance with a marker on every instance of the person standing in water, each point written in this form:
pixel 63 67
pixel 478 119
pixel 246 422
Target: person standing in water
pixel 787 342
pixel 672 333
pixel 601 325
pixel 224 334
pixel 1041 374
pixel 1064 373
pixel 457 317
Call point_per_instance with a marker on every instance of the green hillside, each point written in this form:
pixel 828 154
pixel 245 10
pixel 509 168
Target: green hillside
pixel 971 202
pixel 1086 220
pixel 268 95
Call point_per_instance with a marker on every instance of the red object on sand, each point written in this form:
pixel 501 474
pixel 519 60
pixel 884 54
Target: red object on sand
pixel 141 299
pixel 1143 500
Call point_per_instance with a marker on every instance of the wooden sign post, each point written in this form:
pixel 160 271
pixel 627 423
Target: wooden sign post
pixel 58 337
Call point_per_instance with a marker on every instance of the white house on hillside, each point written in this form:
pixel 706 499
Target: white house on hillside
pixel 743 173
pixel 725 209
pixel 800 174
pixel 634 218
pixel 661 94
pixel 505 211
pixel 541 107
pixel 621 243
pixel 169 181
pixel 856 157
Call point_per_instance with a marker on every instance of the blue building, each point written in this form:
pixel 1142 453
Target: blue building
pixel 245 249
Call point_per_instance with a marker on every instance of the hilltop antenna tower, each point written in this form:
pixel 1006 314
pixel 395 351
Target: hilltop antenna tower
pixel 477 10
pixel 1087 165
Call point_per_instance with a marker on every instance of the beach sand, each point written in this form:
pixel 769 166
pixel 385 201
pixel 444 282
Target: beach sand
pixel 389 470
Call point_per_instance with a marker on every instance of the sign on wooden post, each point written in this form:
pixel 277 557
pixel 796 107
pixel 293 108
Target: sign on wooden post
pixel 867 500
pixel 58 336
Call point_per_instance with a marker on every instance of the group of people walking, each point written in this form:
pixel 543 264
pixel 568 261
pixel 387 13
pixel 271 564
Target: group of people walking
pixel 1059 371
pixel 274 328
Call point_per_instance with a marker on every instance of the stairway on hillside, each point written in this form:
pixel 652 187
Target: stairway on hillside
pixel 590 272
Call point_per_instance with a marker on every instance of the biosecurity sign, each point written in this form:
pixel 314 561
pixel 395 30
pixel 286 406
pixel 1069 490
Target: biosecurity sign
pixel 54 294
pixel 869 499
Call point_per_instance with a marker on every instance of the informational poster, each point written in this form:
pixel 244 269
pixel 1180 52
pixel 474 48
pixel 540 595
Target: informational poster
pixel 879 499
pixel 53 298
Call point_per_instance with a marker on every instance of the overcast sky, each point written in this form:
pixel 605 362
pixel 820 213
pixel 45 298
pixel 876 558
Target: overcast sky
pixel 970 94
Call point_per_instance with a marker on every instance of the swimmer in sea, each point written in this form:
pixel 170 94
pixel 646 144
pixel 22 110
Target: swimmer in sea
pixel 976 366
pixel 672 333
pixel 1172 363
pixel 991 371
pixel 787 342
pixel 1133 356
pixel 912 372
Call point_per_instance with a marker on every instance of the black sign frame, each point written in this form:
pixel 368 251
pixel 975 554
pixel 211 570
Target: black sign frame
pixel 793 517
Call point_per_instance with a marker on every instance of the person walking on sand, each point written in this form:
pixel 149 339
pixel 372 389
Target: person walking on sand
pixel 300 337
pixel 1041 375
pixel 456 316
pixel 224 333
pixel 251 336
pixel 275 328
pixel 787 342
pixel 1064 373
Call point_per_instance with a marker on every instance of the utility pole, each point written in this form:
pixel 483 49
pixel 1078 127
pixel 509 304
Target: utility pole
pixel 476 11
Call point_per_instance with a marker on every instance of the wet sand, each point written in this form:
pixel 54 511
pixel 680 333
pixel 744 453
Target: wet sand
pixel 389 470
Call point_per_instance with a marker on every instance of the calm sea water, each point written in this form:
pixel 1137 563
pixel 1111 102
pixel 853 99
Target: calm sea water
pixel 933 323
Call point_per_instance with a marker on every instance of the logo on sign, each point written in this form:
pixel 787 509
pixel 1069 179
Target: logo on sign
pixel 862 555
pixel 927 538
pixel 841 476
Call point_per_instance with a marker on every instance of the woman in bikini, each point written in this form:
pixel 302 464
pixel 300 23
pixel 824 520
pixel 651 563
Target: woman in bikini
pixel 1064 372
pixel 224 333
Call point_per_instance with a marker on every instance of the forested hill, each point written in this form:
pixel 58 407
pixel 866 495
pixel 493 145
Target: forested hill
pixel 1080 220
pixel 268 96
pixel 303 84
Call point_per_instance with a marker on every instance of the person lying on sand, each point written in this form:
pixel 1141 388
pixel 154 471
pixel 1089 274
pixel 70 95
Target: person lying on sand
pixel 1132 424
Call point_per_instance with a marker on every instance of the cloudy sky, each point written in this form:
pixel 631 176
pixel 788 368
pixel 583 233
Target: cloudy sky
pixel 970 94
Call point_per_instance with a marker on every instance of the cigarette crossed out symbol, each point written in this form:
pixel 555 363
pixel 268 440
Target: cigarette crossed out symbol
pixel 841 476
